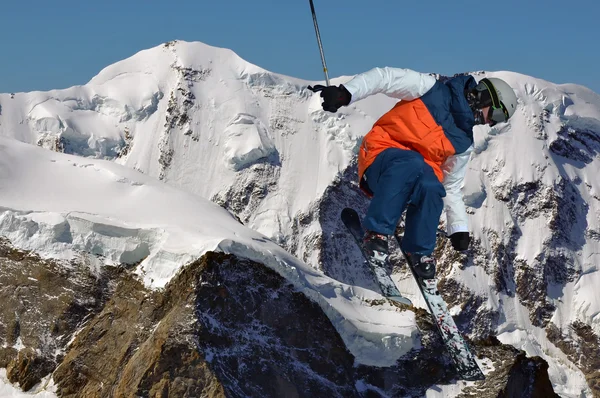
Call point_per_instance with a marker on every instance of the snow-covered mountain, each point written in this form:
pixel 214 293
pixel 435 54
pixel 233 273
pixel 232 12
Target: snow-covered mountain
pixel 203 119
pixel 130 163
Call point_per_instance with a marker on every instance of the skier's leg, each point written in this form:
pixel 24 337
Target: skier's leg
pixel 423 214
pixel 391 178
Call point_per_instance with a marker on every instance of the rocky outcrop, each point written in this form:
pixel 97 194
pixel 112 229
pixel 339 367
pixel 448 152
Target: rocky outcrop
pixel 223 326
pixel 264 339
pixel 178 115
pixel 142 343
pixel 513 374
pixel 528 377
pixel 565 211
pixel 510 373
pixel 582 347
pixel 43 304
pixel 247 194
pixel 577 144
pixel 128 138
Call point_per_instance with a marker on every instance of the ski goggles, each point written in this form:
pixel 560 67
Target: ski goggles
pixel 485 95
pixel 493 117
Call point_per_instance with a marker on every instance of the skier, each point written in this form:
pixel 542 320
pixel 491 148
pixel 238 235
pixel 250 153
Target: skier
pixel 416 154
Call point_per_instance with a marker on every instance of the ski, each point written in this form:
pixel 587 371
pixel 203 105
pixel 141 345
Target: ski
pixel 377 263
pixel 457 347
pixel 461 355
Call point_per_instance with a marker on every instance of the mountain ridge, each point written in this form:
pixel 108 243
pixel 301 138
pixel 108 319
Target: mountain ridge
pixel 258 144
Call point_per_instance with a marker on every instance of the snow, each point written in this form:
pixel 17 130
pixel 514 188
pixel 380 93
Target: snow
pixel 585 296
pixel 114 209
pixel 62 206
pixel 45 389
pixel 241 115
pixel 247 141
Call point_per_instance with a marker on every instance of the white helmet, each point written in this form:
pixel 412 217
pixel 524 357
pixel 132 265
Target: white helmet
pixel 498 95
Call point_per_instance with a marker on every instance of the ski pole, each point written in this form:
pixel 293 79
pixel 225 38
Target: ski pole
pixel 314 16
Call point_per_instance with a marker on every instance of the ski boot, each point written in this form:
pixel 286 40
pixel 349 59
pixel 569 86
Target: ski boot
pixel 424 266
pixel 375 242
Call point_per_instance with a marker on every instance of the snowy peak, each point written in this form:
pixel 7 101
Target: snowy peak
pixel 212 126
pixel 160 61
pixel 124 93
pixel 183 112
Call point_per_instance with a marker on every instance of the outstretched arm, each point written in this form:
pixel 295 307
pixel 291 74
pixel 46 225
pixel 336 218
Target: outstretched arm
pixel 404 84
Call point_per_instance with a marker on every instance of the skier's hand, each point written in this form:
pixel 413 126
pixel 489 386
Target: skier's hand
pixel 334 97
pixel 460 240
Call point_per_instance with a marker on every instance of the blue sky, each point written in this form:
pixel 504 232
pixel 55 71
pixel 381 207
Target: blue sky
pixel 57 44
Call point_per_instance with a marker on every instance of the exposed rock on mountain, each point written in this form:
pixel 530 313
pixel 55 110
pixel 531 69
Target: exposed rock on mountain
pixel 213 127
pixel 223 327
pixel 43 305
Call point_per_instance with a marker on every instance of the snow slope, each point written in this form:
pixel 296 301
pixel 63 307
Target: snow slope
pixel 525 153
pixel 210 125
pixel 63 206
pixel 196 116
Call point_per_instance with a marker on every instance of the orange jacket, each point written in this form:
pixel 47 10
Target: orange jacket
pixel 432 118
pixel 408 125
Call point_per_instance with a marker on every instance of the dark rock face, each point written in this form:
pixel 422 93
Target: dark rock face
pixel 528 377
pixel 43 304
pixel 576 144
pixel 566 211
pixel 266 339
pixel 582 346
pixel 473 319
pixel 220 319
pixel 514 375
pixel 180 107
pixel 223 327
pixel 141 344
pixel 126 341
pixel 252 186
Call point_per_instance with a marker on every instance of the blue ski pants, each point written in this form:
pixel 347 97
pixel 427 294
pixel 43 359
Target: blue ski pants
pixel 401 180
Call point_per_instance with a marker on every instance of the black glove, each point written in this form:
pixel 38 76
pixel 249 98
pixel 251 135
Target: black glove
pixel 334 97
pixel 460 240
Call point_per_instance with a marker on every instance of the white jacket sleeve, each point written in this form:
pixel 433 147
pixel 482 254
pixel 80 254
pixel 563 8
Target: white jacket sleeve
pixel 455 168
pixel 404 84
